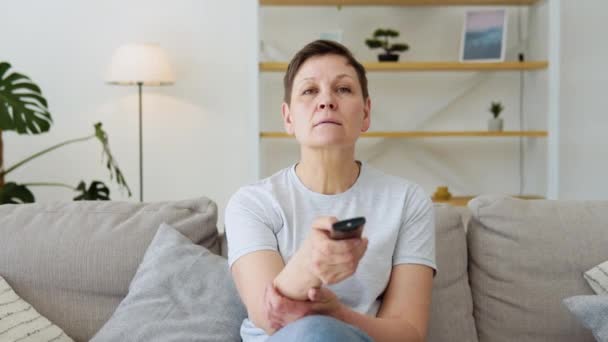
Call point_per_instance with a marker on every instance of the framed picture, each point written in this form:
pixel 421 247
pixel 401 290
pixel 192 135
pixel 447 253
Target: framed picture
pixel 484 36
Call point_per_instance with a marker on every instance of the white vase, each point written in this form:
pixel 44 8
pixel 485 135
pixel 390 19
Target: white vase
pixel 495 125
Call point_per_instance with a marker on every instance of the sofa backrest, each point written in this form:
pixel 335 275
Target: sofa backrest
pixel 451 317
pixel 74 261
pixel 525 257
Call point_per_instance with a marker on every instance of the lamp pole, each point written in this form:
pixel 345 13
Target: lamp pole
pixel 141 154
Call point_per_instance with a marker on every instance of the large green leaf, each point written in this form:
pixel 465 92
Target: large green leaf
pixel 96 191
pixel 22 107
pixel 13 193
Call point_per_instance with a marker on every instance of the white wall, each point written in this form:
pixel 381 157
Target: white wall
pixel 198 133
pixel 584 113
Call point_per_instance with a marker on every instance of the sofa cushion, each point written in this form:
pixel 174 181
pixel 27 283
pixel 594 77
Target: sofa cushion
pixel 73 261
pixel 181 292
pixel 525 257
pixel 451 316
pixel 592 312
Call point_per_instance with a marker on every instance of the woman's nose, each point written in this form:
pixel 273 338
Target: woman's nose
pixel 326 104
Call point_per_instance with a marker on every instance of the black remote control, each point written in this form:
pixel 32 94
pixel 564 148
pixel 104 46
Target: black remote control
pixel 347 229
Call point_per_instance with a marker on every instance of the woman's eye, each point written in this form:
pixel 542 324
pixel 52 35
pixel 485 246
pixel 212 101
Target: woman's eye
pixel 344 90
pixel 308 91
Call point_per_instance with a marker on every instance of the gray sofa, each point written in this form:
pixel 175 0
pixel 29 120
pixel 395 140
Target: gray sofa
pixel 504 264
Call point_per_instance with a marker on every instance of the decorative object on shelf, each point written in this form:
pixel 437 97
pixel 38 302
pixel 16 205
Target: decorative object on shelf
pixel 442 194
pixel 380 40
pixel 24 109
pixel 495 123
pixel 484 36
pixel 140 64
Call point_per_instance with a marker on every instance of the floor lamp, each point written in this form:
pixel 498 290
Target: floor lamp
pixel 140 65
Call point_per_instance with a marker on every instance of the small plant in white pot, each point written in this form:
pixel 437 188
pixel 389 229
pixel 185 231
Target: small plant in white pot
pixel 495 123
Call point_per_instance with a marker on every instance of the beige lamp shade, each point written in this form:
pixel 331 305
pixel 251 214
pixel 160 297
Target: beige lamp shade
pixel 140 63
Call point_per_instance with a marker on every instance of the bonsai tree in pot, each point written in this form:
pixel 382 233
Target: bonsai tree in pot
pixel 381 40
pixel 24 110
pixel 495 123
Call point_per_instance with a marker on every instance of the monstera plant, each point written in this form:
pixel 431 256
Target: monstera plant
pixel 24 110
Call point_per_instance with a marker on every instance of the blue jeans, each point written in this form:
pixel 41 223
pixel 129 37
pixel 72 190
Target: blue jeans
pixel 317 328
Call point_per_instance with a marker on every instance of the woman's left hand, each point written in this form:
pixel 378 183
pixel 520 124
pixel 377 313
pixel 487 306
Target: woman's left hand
pixel 281 310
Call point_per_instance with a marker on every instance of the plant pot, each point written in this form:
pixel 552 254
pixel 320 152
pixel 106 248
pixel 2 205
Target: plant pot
pixel 495 125
pixel 388 57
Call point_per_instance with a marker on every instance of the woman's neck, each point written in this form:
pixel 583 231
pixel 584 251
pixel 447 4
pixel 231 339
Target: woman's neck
pixel 328 172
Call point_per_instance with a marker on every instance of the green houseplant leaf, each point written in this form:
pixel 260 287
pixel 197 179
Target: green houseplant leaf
pixel 111 163
pixel 398 47
pixel 496 108
pixel 96 191
pixel 13 193
pixel 374 43
pixel 22 107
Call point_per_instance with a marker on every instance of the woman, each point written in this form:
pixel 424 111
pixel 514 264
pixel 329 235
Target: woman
pixel 296 282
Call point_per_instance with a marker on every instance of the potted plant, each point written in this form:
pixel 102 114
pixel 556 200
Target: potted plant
pixel 495 123
pixel 381 40
pixel 24 110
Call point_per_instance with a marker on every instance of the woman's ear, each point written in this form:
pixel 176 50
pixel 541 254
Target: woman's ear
pixel 367 112
pixel 287 119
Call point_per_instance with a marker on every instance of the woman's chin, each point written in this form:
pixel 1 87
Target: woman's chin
pixel 328 140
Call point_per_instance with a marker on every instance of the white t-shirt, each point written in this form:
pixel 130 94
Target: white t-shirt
pixel 277 212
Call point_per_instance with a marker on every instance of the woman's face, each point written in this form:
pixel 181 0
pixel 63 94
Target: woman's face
pixel 327 106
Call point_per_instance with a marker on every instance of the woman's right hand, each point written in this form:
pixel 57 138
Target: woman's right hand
pixel 332 261
pixel 319 261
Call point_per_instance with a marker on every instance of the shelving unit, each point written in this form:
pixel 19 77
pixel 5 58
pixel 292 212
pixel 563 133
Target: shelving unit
pixel 430 66
pixel 431 134
pixel 550 66
pixel 462 201
pixel 396 2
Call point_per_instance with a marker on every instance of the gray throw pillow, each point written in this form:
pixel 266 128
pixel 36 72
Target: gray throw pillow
pixel 592 311
pixel 180 292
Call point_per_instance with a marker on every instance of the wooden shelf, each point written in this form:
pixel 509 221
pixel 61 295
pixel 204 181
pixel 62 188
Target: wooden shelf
pixel 430 134
pixel 430 66
pixel 462 201
pixel 397 2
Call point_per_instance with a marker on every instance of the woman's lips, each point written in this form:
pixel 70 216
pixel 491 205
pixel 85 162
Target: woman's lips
pixel 328 122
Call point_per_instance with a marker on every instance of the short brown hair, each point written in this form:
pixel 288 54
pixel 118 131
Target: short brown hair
pixel 321 48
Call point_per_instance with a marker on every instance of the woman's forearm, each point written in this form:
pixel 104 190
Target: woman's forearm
pixel 380 329
pixel 296 279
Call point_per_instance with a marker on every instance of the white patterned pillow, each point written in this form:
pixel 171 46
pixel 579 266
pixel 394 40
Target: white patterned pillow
pixel 19 321
pixel 597 278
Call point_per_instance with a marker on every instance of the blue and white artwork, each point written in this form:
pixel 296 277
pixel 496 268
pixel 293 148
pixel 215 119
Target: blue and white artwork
pixel 484 35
